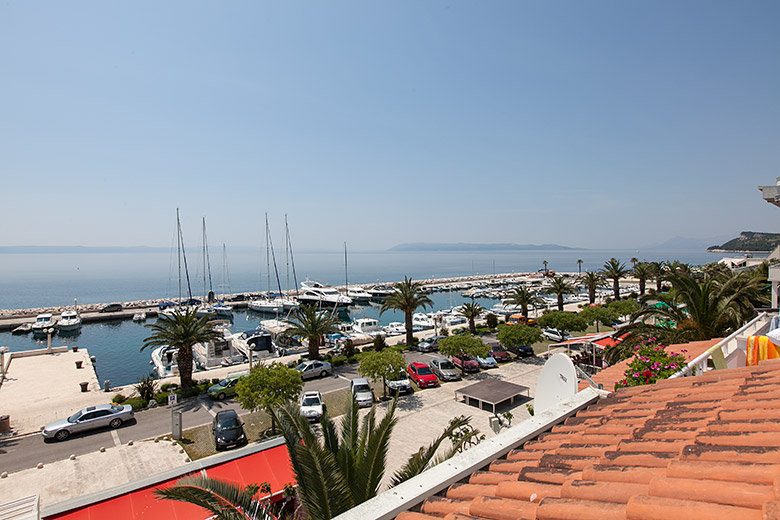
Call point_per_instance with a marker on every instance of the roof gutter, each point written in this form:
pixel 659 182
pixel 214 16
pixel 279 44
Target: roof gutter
pixel 389 504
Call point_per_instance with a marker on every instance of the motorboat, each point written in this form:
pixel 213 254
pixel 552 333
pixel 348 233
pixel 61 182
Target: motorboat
pixel 70 321
pixel 166 364
pixel 380 291
pixel 315 293
pixel 395 328
pixel 257 340
pixel 43 323
pixel 218 353
pixel 214 312
pixel 422 320
pixel 139 316
pixel 358 295
pixel 24 328
pixel 266 306
pixel 368 326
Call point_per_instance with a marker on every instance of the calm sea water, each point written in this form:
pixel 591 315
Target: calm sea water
pixel 56 279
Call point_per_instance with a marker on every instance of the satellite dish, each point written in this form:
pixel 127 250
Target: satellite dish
pixel 557 382
pixel 774 336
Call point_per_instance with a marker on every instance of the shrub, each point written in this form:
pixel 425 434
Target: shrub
pixel 215 381
pixel 352 360
pixel 379 343
pixel 338 361
pixel 349 348
pixel 444 331
pixel 161 397
pixel 192 392
pixel 119 399
pixel 137 403
pixel 167 387
pixel 146 388
pixel 491 320
pixel 650 363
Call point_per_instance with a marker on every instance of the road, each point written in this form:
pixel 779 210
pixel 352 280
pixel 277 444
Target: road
pixel 26 452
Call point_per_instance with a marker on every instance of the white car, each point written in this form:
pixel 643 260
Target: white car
pixel 309 369
pixel 311 405
pixel 555 335
pixel 362 392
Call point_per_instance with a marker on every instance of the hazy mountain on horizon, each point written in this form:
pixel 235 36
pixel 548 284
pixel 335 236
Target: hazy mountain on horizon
pixel 690 243
pixel 461 246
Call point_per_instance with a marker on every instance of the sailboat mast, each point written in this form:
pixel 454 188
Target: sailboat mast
pixel 178 249
pixel 267 258
pixel 292 257
pixel 184 257
pixel 203 239
pixel 346 275
pixel 287 252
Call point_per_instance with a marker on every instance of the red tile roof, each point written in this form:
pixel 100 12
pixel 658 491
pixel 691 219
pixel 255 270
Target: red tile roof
pixel 694 447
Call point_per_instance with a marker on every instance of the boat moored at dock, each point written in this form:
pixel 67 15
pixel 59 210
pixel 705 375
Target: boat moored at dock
pixel 43 323
pixel 69 322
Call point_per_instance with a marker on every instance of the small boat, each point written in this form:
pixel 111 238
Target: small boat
pixel 70 321
pixel 24 328
pixel 315 293
pixel 395 328
pixel 358 295
pixel 43 322
pixel 139 316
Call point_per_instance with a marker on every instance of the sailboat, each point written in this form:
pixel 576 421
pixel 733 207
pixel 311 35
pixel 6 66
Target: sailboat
pixel 212 308
pixel 356 294
pixel 272 303
pixel 171 310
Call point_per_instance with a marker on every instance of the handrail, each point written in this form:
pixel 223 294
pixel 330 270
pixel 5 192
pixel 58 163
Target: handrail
pixel 704 356
pixel 586 376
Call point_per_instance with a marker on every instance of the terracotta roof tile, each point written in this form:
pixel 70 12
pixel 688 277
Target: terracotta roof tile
pixel 693 447
pixel 408 515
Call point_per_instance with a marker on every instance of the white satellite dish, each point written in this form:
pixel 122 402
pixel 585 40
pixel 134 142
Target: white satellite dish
pixel 557 382
pixel 774 336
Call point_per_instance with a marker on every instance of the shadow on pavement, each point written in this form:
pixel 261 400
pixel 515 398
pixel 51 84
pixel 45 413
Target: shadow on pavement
pixel 409 403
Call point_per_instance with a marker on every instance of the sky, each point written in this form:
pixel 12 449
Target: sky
pixel 599 124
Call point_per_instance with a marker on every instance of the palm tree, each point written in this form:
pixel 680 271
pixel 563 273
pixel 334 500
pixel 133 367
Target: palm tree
pixel 559 287
pixel 545 266
pixel 346 467
pixel 657 272
pixel 642 273
pixel 471 311
pixel 614 270
pixel 224 500
pixel 695 310
pixel 312 325
pixel 406 298
pixel 524 298
pixel 579 266
pixel 634 260
pixel 592 281
pixel 181 330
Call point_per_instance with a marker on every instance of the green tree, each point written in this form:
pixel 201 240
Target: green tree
pixel 181 330
pixel 516 335
pixel 545 267
pixel 491 320
pixel 657 273
pixel 563 321
pixel 268 386
pixel 471 312
pixel 455 345
pixel 346 465
pixel 614 270
pixel 624 307
pixel 224 500
pixel 559 286
pixel 598 314
pixel 406 298
pixel 382 365
pixel 642 272
pixel 312 325
pixel 592 281
pixel 523 297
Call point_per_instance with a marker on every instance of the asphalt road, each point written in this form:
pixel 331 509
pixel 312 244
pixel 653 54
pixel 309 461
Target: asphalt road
pixel 27 451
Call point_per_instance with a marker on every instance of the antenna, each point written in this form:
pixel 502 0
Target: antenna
pixel 557 382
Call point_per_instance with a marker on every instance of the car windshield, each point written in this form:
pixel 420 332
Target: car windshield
pixel 229 423
pixel 74 417
pixel 310 401
pixel 362 388
pixel 424 371
pixel 302 367
pixel 224 382
pixel 117 408
pixel 446 365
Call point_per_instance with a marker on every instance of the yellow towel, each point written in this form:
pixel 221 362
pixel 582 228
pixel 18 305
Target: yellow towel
pixel 759 348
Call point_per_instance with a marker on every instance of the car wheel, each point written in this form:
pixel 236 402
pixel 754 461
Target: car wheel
pixel 62 435
pixel 115 423
pixel 221 396
pixel 323 373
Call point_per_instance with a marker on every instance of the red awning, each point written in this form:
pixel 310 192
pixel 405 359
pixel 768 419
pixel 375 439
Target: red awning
pixel 271 465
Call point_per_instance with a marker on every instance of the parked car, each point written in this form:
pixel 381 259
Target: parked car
pixel 422 375
pixel 465 363
pixel 486 362
pixel 445 370
pixel 521 350
pixel 309 369
pixel 430 344
pixel 555 335
pixel 111 307
pixel 499 353
pixel 311 405
pixel 89 418
pixel 361 391
pixel 228 430
pixel 225 388
pixel 398 384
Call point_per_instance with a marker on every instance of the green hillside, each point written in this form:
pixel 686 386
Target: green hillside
pixel 750 241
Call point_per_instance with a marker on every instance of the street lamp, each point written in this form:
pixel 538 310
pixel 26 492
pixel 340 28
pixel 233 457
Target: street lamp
pixel 3 350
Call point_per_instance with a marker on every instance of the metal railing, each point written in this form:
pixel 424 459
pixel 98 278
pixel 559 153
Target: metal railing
pixel 724 351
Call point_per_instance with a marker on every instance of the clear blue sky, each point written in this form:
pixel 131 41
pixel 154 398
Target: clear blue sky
pixel 604 124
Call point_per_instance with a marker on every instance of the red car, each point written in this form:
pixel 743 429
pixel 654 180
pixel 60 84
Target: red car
pixel 499 353
pixel 465 363
pixel 422 374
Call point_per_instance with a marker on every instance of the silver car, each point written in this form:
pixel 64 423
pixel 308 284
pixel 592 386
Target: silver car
pixel 445 369
pixel 309 369
pixel 362 392
pixel 89 418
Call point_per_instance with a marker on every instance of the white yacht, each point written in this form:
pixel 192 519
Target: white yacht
pixel 266 306
pixel 380 291
pixel 368 326
pixel 70 321
pixel 422 320
pixel 314 293
pixel 395 328
pixel 42 323
pixel 358 294
pixel 214 354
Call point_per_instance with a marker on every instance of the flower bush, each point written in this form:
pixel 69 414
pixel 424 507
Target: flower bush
pixel 650 363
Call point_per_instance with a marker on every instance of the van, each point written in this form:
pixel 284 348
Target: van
pixel 515 319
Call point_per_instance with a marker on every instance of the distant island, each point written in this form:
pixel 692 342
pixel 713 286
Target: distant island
pixel 750 241
pixel 460 246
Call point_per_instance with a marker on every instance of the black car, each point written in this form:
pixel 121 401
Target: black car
pixel 228 430
pixel 521 350
pixel 111 307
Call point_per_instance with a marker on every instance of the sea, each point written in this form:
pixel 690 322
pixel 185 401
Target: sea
pixel 56 279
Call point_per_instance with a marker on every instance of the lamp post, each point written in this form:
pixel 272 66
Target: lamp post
pixel 3 350
pixel 48 332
